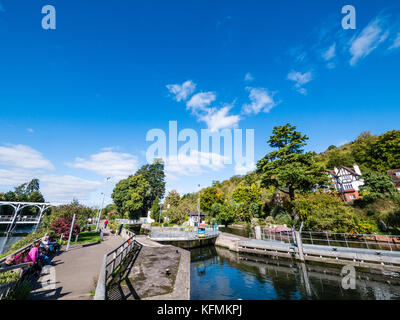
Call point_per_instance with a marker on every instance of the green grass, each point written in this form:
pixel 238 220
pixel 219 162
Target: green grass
pixel 85 237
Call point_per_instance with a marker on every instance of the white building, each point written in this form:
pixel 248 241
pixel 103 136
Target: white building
pixel 347 181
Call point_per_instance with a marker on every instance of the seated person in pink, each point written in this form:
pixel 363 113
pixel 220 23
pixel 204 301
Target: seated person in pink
pixel 33 255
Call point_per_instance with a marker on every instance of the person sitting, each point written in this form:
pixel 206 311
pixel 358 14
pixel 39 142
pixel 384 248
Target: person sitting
pixel 36 257
pixel 47 245
pixel 10 261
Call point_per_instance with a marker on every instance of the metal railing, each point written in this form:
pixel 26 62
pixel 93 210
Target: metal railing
pixel 127 221
pixel 20 254
pixel 7 219
pixel 332 239
pixel 363 241
pixel 181 233
pixel 112 262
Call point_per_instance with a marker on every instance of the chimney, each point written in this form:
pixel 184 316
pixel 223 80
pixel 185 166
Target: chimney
pixel 357 169
pixel 336 170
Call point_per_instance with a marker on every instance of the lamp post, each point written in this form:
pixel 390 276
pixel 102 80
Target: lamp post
pixel 99 215
pixel 198 207
pixel 101 208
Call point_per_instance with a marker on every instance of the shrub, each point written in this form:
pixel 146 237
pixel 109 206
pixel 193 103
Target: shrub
pixel 63 226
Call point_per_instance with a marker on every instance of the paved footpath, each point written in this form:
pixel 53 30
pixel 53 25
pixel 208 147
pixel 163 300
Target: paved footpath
pixel 75 271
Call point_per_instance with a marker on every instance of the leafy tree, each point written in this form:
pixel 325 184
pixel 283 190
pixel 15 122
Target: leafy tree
pixel 155 176
pixel 82 214
pixel 129 195
pixel 208 197
pixel 249 197
pixel 288 168
pixel 226 213
pixel 385 151
pixel 327 212
pixel 173 199
pixel 155 210
pixel 62 225
pixel 377 186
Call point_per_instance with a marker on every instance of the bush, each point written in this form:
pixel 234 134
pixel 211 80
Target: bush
pixel 63 226
pixel 327 212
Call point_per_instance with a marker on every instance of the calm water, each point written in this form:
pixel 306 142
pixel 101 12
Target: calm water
pixel 218 273
pixel 7 242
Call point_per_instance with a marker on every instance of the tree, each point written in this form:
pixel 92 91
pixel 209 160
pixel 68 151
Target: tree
pixel 154 175
pixel 62 225
pixel 173 198
pixel 249 197
pixel 288 168
pixel 82 214
pixel 208 197
pixel 377 186
pixel 327 212
pixel 385 151
pixel 155 210
pixel 129 195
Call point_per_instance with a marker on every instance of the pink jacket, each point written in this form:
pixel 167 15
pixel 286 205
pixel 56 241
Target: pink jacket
pixel 32 255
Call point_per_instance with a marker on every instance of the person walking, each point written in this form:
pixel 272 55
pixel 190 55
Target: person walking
pixel 105 224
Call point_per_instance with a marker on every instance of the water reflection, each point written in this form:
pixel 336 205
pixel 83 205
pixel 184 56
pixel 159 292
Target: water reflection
pixel 218 273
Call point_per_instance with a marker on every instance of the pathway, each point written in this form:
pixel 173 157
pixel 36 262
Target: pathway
pixel 76 271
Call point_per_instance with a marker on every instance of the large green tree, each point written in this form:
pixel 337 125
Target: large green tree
pixel 377 186
pixel 208 197
pixel 173 199
pixel 289 168
pixel 155 176
pixel 129 196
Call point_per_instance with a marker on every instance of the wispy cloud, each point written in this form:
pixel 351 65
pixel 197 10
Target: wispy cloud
pixel 367 40
pixel 248 77
pixel 330 53
pixel 22 156
pixel 200 101
pixel 396 42
pixel 182 91
pixel 30 130
pixel 261 101
pixel 217 119
pixel 300 79
pixel 114 164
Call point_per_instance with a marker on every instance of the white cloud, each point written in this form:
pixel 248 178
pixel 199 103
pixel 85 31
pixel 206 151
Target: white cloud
pixel 244 168
pixel 61 188
pixel 30 130
pixel 300 78
pixel 55 188
pixel 261 100
pixel 367 41
pixel 248 77
pixel 108 163
pixel 200 101
pixel 183 91
pixel 396 42
pixel 194 164
pixel 330 53
pixel 22 156
pixel 219 119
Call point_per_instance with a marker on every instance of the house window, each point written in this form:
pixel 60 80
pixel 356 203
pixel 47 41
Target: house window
pixel 397 174
pixel 348 186
pixel 352 197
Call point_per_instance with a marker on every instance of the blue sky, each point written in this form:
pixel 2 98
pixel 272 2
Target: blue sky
pixel 76 102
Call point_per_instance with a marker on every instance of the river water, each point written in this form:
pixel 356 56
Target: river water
pixel 7 242
pixel 218 273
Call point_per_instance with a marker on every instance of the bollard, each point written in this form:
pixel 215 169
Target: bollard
pixel 257 232
pixel 299 244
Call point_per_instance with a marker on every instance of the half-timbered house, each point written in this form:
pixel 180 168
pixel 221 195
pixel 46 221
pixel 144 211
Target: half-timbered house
pixel 347 181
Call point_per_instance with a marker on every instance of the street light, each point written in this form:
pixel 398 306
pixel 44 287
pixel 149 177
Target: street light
pixel 101 208
pixel 198 207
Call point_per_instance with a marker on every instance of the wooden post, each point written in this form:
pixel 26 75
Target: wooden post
pixel 299 245
pixel 257 232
